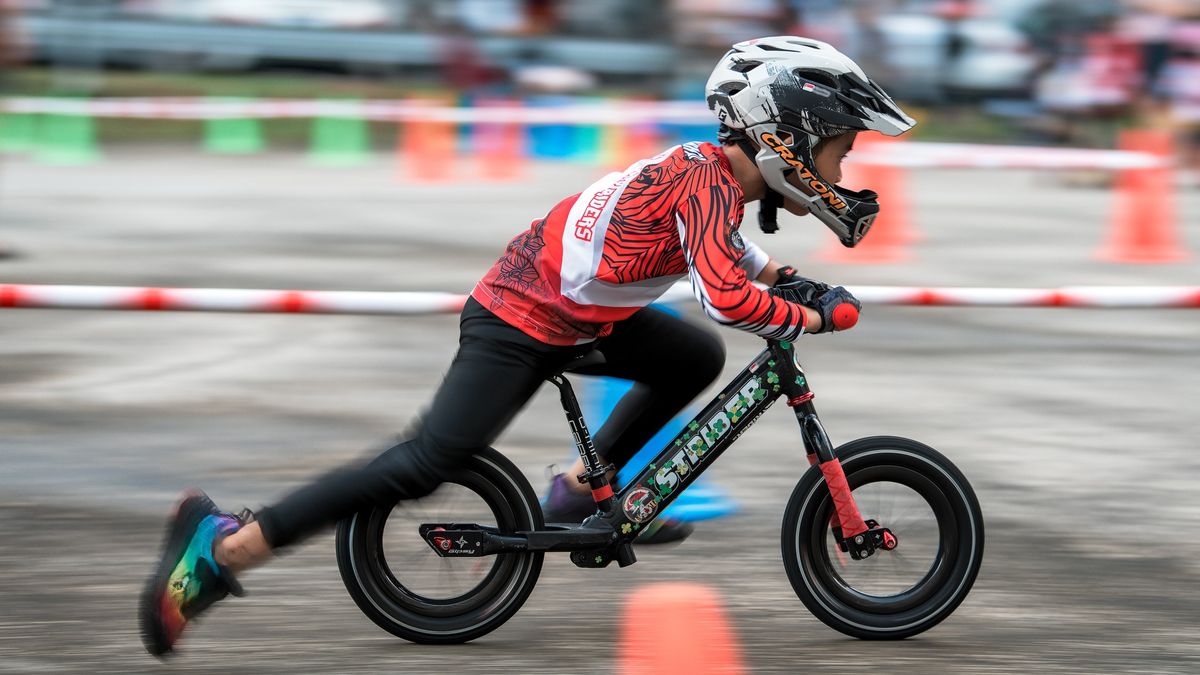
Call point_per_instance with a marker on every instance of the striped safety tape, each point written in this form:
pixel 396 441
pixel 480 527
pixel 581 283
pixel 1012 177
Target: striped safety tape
pixel 406 303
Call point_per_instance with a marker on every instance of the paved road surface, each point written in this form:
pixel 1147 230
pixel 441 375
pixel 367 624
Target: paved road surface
pixel 1077 427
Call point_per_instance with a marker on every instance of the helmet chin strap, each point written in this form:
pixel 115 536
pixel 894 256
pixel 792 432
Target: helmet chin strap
pixel 768 209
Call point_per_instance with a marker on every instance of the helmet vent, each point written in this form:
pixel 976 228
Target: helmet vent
pixel 777 48
pixel 745 66
pixel 818 77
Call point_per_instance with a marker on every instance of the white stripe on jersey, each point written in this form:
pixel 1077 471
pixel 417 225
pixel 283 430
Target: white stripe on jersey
pixel 630 294
pixel 754 259
pixel 581 256
pixel 698 286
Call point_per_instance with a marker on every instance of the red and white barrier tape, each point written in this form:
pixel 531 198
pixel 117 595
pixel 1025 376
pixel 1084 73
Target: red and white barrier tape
pixel 623 113
pixel 1111 297
pixel 228 300
pixel 400 303
pixel 979 156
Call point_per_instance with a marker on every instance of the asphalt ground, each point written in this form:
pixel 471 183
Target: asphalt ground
pixel 1077 427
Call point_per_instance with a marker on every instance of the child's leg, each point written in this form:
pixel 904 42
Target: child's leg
pixel 495 372
pixel 671 361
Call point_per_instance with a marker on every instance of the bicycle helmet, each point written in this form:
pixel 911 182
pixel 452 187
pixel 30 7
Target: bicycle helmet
pixel 776 98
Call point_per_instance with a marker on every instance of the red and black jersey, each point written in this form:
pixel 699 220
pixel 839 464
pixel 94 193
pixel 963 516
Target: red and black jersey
pixel 601 255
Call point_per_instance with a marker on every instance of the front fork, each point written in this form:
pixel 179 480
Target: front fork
pixel 856 536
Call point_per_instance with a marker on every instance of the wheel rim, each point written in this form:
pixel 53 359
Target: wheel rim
pixel 889 582
pixel 441 588
pixel 428 577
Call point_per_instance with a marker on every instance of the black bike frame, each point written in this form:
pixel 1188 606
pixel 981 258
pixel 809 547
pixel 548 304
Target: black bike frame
pixel 620 518
pixel 774 373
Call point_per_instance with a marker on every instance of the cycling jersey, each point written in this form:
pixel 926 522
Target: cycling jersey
pixel 614 248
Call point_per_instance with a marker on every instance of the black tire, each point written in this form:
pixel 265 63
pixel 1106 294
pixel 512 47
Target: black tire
pixel 856 597
pixel 396 596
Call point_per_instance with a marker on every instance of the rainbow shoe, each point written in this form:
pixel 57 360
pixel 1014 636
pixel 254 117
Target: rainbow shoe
pixel 188 580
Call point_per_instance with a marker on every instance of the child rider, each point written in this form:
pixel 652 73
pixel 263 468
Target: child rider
pixel 580 279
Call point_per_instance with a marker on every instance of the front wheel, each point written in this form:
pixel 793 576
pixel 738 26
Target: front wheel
pixel 407 589
pixel 925 501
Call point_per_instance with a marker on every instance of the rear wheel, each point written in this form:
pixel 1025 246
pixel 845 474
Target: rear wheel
pixel 407 589
pixel 927 504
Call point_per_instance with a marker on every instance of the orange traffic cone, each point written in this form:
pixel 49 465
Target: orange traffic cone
pixel 426 151
pixel 677 627
pixel 631 142
pixel 892 230
pixel 1142 227
pixel 641 142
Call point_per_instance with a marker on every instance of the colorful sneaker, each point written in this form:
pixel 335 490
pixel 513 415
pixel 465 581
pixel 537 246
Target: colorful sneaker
pixel 188 580
pixel 564 505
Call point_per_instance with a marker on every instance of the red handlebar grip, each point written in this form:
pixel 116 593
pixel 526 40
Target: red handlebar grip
pixel 844 316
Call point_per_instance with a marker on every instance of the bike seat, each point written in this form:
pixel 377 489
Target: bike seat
pixel 581 364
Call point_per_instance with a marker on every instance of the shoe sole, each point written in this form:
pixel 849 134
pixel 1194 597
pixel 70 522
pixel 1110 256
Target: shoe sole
pixel 191 510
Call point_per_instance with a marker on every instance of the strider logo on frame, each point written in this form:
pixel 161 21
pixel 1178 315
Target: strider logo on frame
pixel 693 446
pixel 804 173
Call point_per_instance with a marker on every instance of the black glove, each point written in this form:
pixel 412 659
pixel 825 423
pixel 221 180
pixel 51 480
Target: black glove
pixel 795 288
pixel 815 295
pixel 828 302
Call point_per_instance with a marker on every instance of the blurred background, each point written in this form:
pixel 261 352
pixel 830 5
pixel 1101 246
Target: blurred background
pixel 1046 71
pixel 398 145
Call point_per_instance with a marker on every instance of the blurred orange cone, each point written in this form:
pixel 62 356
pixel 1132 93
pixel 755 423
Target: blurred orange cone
pixel 426 150
pixel 1142 228
pixel 677 627
pixel 631 142
pixel 892 230
pixel 641 142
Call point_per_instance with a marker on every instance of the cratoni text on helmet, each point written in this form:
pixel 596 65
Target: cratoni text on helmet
pixel 800 91
pixel 806 176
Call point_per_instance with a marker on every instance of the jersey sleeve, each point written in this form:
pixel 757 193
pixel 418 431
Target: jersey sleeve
pixel 714 249
pixel 753 260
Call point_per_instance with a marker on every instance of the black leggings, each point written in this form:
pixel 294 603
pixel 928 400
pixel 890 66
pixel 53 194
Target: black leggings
pixel 494 374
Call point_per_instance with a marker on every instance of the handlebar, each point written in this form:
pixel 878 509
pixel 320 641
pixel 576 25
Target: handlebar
pixel 845 316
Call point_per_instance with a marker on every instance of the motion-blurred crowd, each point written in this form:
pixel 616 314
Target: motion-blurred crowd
pixel 1065 70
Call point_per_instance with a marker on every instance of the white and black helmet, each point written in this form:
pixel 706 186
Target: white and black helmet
pixel 786 93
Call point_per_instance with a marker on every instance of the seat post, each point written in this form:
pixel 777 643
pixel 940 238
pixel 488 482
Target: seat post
pixel 594 474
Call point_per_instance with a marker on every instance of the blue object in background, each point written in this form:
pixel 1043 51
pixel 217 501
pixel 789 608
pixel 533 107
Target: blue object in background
pixel 701 501
pixel 678 134
pixel 586 140
pixel 552 141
